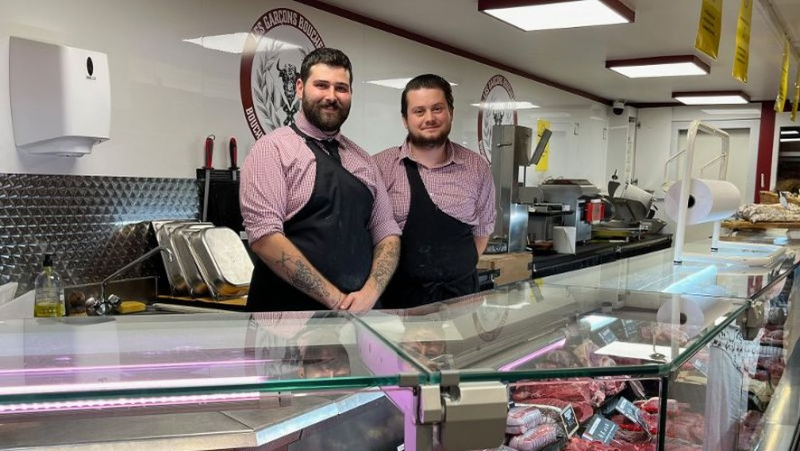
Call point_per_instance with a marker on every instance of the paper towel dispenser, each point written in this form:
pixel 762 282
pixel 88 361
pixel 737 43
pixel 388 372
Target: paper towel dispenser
pixel 60 98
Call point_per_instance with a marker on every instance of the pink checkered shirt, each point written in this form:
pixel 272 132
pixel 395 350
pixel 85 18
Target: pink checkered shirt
pixel 278 179
pixel 462 188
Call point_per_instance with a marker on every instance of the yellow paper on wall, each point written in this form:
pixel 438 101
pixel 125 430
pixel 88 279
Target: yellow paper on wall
pixel 796 95
pixel 710 28
pixel 783 86
pixel 741 57
pixel 542 166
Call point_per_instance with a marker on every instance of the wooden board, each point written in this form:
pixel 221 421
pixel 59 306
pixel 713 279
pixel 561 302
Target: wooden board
pixel 240 302
pixel 747 225
pixel 513 266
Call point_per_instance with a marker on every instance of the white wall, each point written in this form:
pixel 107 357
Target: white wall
pixel 167 95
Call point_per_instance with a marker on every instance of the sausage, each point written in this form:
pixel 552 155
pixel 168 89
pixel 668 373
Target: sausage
pixel 535 439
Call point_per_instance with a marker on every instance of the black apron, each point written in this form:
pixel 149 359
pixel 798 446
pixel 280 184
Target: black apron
pixel 438 257
pixel 331 231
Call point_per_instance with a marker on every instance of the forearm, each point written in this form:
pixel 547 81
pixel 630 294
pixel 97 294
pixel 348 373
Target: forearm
pixel 384 261
pixel 480 243
pixel 285 260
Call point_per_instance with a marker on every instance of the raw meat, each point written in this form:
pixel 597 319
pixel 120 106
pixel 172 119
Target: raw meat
pixel 535 439
pixel 576 390
pixel 579 444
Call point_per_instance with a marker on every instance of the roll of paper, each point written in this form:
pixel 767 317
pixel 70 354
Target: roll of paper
pixel 694 312
pixel 709 200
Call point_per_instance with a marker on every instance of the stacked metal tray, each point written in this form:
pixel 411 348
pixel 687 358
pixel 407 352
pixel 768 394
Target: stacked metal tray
pixel 209 261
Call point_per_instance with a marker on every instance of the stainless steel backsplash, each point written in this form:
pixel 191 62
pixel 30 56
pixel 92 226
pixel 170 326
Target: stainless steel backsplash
pixel 94 225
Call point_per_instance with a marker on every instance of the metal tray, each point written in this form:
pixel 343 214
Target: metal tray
pixel 222 259
pixel 163 230
pixel 191 273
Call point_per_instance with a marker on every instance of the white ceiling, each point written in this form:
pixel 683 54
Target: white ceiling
pixel 576 57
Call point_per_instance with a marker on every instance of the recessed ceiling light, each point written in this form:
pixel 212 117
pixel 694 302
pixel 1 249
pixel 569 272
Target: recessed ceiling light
pixel 234 42
pixel 396 83
pixel 511 105
pixel 660 66
pixel 529 15
pixel 711 98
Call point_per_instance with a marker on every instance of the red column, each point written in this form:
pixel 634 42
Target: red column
pixel 766 139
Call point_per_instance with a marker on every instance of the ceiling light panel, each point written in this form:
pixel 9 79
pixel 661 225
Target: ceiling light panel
pixel 661 66
pixel 548 15
pixel 711 98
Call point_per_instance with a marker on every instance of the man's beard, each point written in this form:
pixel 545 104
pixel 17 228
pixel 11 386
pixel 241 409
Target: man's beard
pixel 419 140
pixel 326 122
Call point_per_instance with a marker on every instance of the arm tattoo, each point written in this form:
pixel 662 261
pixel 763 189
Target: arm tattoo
pixel 385 263
pixel 306 281
pixel 303 277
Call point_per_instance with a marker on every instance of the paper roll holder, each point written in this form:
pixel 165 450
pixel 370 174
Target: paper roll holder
pixel 763 254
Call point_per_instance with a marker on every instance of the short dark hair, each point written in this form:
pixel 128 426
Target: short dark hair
pixel 327 56
pixel 426 81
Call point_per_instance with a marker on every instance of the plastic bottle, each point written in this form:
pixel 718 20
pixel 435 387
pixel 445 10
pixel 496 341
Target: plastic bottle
pixel 49 291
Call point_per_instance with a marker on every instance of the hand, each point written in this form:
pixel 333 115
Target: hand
pixel 359 301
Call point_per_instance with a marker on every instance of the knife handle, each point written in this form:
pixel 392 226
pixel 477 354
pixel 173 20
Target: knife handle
pixel 232 149
pixel 209 151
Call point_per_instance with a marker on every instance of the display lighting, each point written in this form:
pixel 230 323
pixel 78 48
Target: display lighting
pixel 530 15
pixel 790 140
pixel 660 66
pixel 126 403
pixel 789 132
pixel 711 98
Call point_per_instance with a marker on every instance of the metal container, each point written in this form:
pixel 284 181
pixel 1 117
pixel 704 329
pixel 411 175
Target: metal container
pixel 179 238
pixel 222 259
pixel 163 231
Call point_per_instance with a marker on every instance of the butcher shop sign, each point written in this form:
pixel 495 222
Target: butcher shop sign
pixel 497 107
pixel 270 66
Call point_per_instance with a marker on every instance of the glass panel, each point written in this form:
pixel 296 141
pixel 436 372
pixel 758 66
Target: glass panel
pixel 657 272
pixel 525 331
pixel 86 363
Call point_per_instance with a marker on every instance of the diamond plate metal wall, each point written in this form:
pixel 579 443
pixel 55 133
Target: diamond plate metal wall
pixel 94 225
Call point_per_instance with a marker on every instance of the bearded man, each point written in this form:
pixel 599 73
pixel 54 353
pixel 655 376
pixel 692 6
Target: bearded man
pixel 316 211
pixel 442 196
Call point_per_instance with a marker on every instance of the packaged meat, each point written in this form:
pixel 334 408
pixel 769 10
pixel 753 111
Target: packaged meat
pixel 520 419
pixel 535 439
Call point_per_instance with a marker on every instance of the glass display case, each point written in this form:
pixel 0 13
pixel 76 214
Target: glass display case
pixel 645 356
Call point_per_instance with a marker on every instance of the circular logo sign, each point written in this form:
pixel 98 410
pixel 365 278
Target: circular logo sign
pixel 497 108
pixel 271 59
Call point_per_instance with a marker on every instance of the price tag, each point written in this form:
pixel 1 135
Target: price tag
pixel 630 328
pixel 630 411
pixel 607 335
pixel 600 430
pixel 701 367
pixel 569 419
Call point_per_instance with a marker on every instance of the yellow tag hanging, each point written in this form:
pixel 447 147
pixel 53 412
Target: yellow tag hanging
pixel 783 87
pixel 710 28
pixel 741 57
pixel 796 95
pixel 543 165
